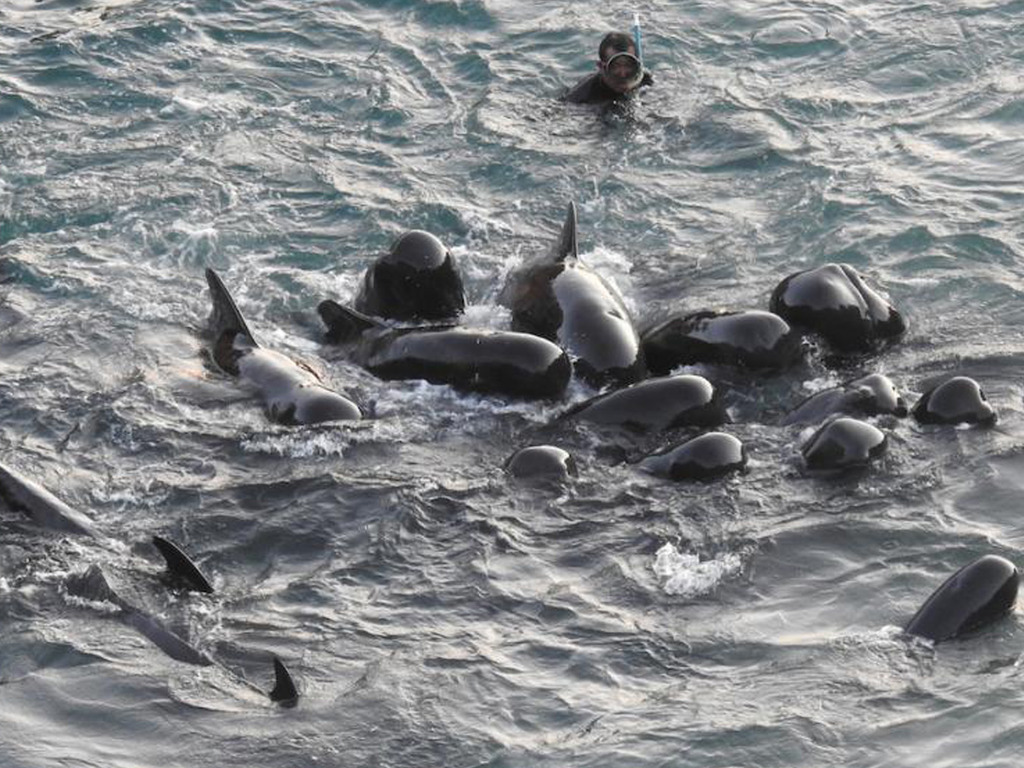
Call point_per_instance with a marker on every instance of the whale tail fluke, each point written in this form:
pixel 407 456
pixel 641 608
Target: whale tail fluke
pixel 180 566
pixel 285 693
pixel 344 324
pixel 567 245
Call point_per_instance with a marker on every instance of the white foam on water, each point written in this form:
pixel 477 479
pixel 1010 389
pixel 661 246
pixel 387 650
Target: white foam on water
pixel 685 575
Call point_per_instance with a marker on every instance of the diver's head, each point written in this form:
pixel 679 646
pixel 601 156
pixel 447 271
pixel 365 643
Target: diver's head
pixel 416 280
pixel 620 68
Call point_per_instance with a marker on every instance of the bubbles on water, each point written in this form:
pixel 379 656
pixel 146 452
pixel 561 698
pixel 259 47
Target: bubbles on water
pixel 686 575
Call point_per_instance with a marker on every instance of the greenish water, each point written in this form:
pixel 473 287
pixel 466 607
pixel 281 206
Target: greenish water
pixel 434 611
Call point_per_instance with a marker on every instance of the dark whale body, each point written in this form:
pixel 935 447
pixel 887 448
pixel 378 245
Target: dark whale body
pixel 869 395
pixel 959 400
pixel 417 279
pixel 973 597
pixel 750 339
pixel 292 393
pixel 93 585
pixel 489 362
pixel 558 298
pixel 654 405
pixel 843 443
pixel 704 457
pixel 541 462
pixel 834 302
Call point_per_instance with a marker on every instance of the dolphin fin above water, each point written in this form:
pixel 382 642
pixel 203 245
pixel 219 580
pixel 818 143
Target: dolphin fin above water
pixel 180 566
pixel 226 323
pixel 284 693
pixel 568 243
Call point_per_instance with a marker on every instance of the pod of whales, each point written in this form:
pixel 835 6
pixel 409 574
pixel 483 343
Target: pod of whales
pixel 834 302
pixel 750 338
pixel 417 279
pixel 973 597
pixel 958 400
pixel 558 298
pixel 490 362
pixel 869 395
pixel 843 443
pixel 292 393
pixel 704 457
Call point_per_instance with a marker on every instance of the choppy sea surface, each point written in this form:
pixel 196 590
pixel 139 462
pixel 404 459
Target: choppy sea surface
pixel 434 611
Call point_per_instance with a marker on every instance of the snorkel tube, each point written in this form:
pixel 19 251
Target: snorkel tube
pixel 638 37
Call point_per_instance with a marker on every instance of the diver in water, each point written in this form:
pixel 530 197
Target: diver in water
pixel 620 73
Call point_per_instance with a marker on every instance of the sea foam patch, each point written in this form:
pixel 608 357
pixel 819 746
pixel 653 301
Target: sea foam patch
pixel 686 575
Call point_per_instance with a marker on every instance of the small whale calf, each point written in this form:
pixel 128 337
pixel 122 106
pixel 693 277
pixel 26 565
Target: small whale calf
pixel 975 596
pixel 485 361
pixel 558 298
pixel 293 393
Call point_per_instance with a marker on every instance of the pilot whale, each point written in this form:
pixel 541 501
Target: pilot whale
pixel 558 298
pixel 834 301
pixel 418 279
pixel 489 362
pixel 292 393
pixel 94 585
pixel 976 595
pixel 869 395
pixel 747 338
pixel 19 494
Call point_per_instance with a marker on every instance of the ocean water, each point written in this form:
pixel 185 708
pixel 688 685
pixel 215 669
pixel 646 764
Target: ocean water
pixel 434 611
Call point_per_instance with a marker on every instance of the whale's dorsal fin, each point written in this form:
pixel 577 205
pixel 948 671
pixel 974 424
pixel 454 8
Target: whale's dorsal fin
pixel 181 567
pixel 344 324
pixel 285 693
pixel 567 244
pixel 225 316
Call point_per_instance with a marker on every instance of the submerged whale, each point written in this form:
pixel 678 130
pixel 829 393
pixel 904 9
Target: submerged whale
pixel 959 400
pixel 749 338
pixel 93 585
pixel 489 362
pixel 973 597
pixel 292 393
pixel 834 301
pixel 24 496
pixel 19 494
pixel 417 279
pixel 558 298
pixel 869 395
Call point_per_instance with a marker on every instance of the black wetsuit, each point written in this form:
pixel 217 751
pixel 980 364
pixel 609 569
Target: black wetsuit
pixel 593 90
